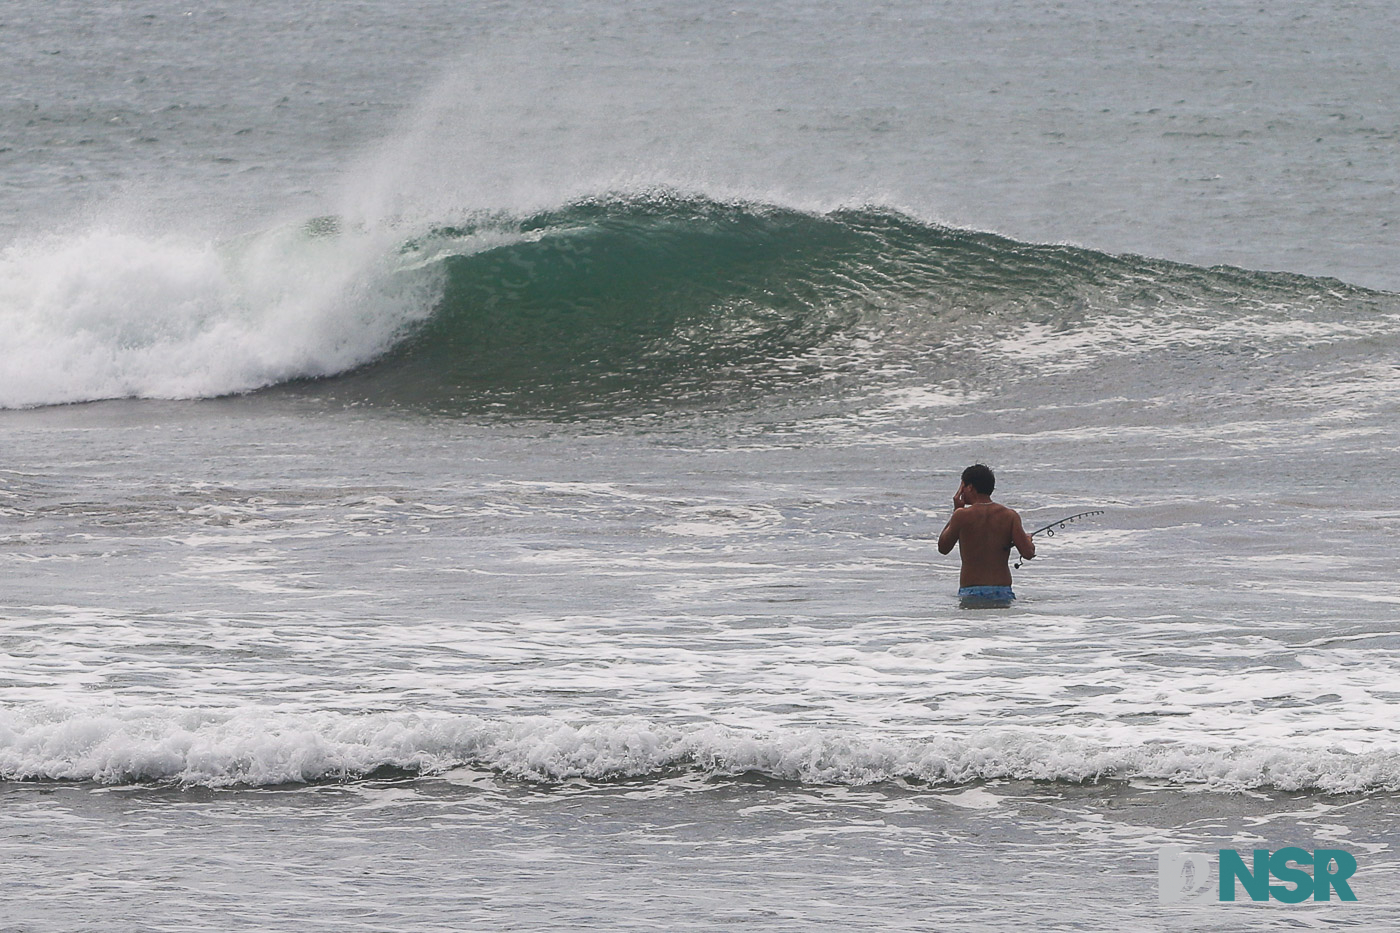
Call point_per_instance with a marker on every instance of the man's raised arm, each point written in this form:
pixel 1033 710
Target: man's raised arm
pixel 949 537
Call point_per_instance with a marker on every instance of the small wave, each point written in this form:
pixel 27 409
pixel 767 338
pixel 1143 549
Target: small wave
pixel 266 748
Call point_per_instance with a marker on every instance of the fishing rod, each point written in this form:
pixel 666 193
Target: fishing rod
pixel 1054 526
pixel 1051 528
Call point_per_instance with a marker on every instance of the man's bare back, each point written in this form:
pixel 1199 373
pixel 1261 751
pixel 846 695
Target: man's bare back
pixel 985 532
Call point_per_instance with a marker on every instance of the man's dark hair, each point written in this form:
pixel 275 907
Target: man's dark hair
pixel 980 477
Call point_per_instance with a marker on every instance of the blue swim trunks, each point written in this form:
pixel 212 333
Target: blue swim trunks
pixel 988 596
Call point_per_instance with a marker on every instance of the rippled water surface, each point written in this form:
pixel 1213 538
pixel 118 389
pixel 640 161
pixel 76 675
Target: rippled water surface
pixel 467 468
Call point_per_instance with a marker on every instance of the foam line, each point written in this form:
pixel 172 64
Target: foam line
pixel 219 748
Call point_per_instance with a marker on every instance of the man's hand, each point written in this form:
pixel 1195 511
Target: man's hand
pixel 958 500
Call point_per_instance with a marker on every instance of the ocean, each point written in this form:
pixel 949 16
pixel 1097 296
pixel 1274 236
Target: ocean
pixel 479 466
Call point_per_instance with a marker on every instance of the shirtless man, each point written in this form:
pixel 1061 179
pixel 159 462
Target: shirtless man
pixel 984 532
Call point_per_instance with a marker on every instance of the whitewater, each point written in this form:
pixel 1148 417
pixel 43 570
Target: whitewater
pixel 474 468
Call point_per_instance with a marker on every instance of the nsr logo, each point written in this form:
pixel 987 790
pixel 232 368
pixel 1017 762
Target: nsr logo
pixel 1184 877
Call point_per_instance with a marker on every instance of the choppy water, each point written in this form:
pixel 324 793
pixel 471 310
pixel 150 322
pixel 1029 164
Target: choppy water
pixel 475 469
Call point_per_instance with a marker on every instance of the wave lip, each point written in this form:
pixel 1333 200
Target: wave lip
pixel 267 748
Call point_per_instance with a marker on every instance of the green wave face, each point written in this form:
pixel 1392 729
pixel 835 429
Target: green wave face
pixel 649 302
pixel 611 304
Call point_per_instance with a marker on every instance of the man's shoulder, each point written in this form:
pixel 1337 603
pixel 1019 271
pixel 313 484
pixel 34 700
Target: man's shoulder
pixel 1005 514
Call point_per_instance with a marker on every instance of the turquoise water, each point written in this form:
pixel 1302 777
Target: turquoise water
pixel 468 468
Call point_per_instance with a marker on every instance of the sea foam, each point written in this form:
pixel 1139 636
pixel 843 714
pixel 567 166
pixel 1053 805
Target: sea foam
pixel 110 314
pixel 246 747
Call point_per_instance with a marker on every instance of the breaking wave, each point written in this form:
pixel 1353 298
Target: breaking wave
pixel 619 300
pixel 267 748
